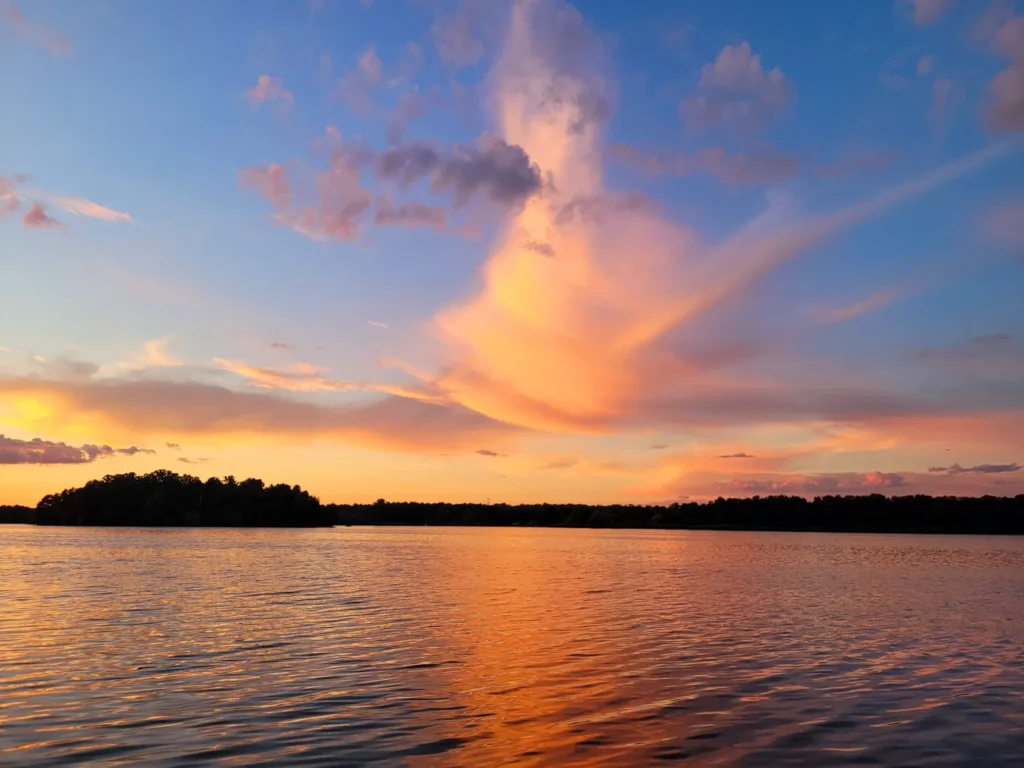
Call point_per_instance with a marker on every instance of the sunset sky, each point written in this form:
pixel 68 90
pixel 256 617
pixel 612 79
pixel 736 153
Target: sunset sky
pixel 601 252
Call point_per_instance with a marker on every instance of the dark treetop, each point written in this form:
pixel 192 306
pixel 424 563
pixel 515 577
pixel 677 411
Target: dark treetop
pixel 167 499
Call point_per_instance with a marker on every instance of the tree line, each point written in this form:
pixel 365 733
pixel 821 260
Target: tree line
pixel 164 498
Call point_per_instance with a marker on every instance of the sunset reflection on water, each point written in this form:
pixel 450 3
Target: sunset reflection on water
pixel 530 646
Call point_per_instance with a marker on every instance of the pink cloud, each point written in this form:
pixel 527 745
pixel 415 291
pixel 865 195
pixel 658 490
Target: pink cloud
pixel 269 88
pixel 926 12
pixel 30 32
pixel 925 65
pixel 271 182
pixel 1006 223
pixel 736 90
pixel 1006 109
pixel 37 218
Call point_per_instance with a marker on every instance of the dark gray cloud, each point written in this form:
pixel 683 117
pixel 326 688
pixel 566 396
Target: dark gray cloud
pixel 735 456
pixel 499 171
pixel 487 452
pixel 173 446
pixel 185 460
pixel 542 248
pixel 411 214
pixel 39 451
pixel 281 345
pixel 977 469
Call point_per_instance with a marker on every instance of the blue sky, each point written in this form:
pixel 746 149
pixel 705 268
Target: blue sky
pixel 144 239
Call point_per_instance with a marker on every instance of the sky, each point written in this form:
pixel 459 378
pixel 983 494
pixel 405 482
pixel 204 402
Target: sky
pixel 514 252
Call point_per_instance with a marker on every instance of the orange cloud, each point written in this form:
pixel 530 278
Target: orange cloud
pixel 572 337
pixel 158 408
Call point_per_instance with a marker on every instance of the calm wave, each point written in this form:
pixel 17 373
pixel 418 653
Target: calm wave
pixel 509 646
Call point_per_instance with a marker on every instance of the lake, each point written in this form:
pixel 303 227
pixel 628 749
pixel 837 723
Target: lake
pixel 483 646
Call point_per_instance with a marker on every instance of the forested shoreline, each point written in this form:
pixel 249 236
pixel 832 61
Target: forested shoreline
pixel 164 498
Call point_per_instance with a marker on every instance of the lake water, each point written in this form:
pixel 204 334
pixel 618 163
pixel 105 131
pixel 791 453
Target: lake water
pixel 483 647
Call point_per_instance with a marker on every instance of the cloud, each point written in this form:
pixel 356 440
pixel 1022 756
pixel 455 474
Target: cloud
pixel 544 249
pixel 281 345
pixel 338 203
pixel 925 65
pixel 269 88
pixel 588 341
pixel 411 106
pixel 925 12
pixel 1005 222
pixel 869 303
pixel 33 33
pixel 977 469
pixel 411 214
pixel 356 86
pixel 153 407
pixel 186 460
pixel 39 451
pixel 492 454
pixel 12 192
pixel 154 354
pixel 82 207
pixel 735 456
pixel 9 199
pixel 736 91
pixel 377 324
pixel 299 378
pixel 659 447
pixel 271 182
pixel 37 218
pixel 497 170
pixel 762 166
pixel 173 446
pixel 1006 89
pixel 454 38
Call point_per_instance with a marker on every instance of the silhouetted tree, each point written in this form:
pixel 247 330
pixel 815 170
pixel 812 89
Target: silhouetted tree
pixel 167 499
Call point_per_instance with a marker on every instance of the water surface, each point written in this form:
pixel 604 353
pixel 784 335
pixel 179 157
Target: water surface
pixel 481 647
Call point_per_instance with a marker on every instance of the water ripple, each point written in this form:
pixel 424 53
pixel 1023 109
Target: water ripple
pixel 498 647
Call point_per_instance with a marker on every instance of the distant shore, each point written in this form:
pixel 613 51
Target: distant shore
pixel 166 499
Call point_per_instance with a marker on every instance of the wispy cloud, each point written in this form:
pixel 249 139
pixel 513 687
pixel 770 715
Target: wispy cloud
pixel 81 207
pixel 298 378
pixel 33 33
pixel 377 324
